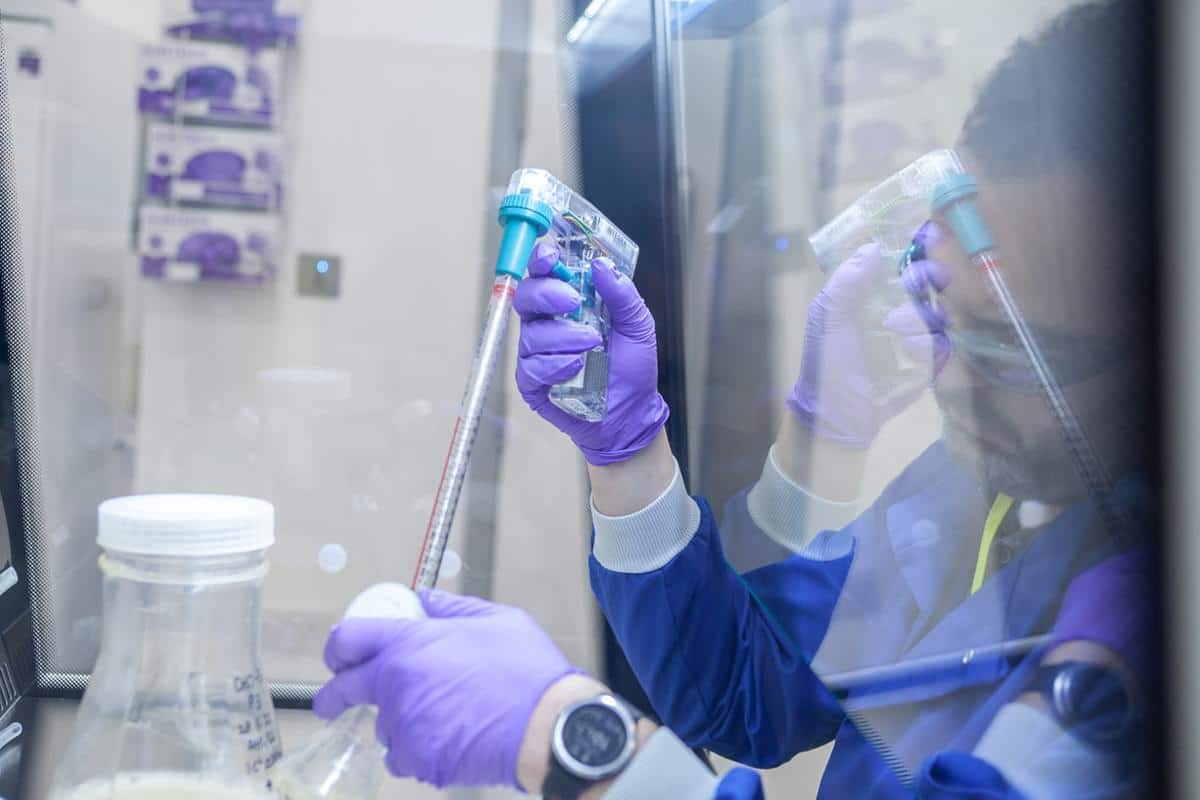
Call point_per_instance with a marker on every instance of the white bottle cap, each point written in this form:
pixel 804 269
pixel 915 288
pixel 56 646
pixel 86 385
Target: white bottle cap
pixel 386 601
pixel 186 525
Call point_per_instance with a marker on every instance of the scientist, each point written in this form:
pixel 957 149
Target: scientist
pixel 988 537
pixel 733 660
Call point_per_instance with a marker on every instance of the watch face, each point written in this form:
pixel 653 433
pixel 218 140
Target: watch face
pixel 595 735
pixel 1094 701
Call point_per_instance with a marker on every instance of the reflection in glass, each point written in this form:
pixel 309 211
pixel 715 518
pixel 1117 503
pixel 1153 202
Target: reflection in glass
pixel 922 573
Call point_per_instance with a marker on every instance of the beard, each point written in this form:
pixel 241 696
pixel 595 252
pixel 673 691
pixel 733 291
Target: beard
pixel 1043 470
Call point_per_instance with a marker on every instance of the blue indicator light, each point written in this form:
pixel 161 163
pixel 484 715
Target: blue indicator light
pixel 322 266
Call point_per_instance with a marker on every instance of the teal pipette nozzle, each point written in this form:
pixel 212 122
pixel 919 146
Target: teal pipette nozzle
pixel 525 220
pixel 954 199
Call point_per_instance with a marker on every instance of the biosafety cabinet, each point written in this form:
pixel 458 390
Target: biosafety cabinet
pixel 247 246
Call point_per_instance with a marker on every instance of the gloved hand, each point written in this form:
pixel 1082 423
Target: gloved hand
pixel 1108 605
pixel 838 395
pixel 551 351
pixel 454 691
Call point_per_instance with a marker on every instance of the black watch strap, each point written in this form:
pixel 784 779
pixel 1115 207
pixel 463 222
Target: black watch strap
pixel 561 783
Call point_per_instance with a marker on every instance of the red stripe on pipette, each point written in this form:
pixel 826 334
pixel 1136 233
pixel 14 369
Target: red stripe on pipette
pixel 436 503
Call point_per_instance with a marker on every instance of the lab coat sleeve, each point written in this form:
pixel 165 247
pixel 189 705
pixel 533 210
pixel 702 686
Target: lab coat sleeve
pixel 792 516
pixel 665 767
pixel 1043 760
pixel 716 667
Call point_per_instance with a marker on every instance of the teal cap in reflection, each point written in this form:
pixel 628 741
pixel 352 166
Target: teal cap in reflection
pixel 954 199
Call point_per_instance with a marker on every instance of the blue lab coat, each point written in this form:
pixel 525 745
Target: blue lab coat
pixel 730 661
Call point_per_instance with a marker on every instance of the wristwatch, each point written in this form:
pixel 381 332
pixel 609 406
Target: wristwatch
pixel 594 739
pixel 1092 701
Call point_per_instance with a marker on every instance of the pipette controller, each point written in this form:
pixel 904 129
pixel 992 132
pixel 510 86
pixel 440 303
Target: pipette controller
pixel 536 204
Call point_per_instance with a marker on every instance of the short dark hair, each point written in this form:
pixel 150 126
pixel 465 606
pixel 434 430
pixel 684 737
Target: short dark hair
pixel 1076 97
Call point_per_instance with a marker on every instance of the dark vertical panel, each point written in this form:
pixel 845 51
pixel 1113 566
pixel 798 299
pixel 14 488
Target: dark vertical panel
pixel 627 160
pixel 14 604
pixel 738 424
pixel 1151 43
pixel 17 649
pixel 628 168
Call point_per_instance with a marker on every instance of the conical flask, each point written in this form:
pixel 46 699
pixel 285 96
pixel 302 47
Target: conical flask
pixel 345 760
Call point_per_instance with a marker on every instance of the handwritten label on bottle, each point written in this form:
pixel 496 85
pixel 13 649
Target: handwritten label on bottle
pixel 257 729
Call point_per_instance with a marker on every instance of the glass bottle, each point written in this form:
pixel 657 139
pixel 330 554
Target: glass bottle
pixel 176 705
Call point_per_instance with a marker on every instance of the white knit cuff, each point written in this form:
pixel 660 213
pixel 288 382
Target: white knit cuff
pixel 664 767
pixel 790 514
pixel 1040 758
pixel 646 540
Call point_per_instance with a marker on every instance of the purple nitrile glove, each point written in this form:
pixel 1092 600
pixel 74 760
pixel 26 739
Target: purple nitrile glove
pixel 455 691
pixel 1109 605
pixel 552 350
pixel 840 395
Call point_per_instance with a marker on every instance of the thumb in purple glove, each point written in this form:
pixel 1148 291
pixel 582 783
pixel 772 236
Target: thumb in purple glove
pixel 1109 605
pixel 920 325
pixel 552 348
pixel 843 393
pixel 455 691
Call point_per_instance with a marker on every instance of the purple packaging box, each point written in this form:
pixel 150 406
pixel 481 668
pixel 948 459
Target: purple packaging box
pixel 201 246
pixel 206 166
pixel 209 82
pixel 250 23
